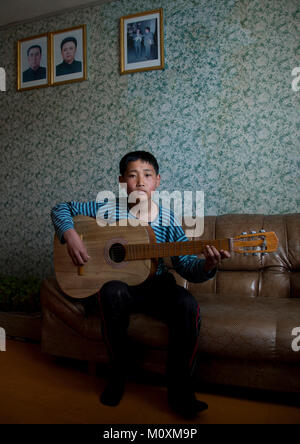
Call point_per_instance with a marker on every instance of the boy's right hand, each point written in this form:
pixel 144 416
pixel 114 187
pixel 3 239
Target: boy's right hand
pixel 76 247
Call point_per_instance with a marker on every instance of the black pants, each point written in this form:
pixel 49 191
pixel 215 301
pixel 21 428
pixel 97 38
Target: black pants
pixel 162 298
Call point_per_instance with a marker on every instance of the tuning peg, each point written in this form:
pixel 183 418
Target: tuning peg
pixel 264 244
pixel 243 234
pixel 254 232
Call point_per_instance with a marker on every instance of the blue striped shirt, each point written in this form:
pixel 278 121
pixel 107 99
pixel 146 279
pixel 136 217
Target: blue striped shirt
pixel 166 228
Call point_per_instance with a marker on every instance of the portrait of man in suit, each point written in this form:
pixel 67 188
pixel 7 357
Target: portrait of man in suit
pixel 35 70
pixel 69 65
pixel 68 55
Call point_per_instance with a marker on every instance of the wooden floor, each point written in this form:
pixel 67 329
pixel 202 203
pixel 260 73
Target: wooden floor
pixel 36 388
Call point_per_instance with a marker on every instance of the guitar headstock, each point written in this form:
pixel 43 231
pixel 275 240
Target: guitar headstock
pixel 255 243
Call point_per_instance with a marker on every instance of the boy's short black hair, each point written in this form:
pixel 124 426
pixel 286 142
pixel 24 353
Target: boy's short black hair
pixel 138 155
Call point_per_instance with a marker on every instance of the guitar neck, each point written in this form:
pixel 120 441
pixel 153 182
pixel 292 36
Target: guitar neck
pixel 167 249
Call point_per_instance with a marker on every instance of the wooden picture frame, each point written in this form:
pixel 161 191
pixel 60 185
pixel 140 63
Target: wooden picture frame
pixel 33 62
pixel 142 42
pixel 68 55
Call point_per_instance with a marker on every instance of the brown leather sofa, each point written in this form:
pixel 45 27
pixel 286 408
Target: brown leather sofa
pixel 249 311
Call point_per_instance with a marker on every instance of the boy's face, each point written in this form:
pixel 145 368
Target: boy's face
pixel 140 177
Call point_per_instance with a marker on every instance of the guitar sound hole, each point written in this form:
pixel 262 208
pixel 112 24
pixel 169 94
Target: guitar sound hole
pixel 117 253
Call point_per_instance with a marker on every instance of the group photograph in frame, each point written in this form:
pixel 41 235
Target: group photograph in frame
pixel 33 62
pixel 142 42
pixel 68 55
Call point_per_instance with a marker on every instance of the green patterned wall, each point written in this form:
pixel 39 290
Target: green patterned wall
pixel 222 117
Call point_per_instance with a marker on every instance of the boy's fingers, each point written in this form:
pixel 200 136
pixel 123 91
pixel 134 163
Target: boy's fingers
pixel 83 256
pixel 79 258
pixel 213 252
pixel 209 250
pixel 225 254
pixel 72 255
pixel 216 253
pixel 75 260
pixel 77 251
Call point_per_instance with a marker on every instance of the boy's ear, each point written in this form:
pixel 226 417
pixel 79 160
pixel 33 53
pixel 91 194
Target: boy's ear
pixel 121 179
pixel 158 177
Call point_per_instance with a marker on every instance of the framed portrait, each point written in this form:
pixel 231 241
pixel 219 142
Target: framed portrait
pixel 142 42
pixel 33 62
pixel 68 55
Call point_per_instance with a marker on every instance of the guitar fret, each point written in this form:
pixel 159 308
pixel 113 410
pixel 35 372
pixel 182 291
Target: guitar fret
pixel 167 249
pixel 129 251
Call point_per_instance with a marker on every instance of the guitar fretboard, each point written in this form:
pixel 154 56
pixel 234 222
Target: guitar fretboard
pixel 167 249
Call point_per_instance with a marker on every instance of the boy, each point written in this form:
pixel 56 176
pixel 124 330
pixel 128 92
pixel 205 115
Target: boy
pixel 159 296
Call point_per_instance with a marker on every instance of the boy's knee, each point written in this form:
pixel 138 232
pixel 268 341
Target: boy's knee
pixel 186 301
pixel 113 287
pixel 114 295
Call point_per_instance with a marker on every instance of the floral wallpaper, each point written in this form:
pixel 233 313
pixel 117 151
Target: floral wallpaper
pixel 221 117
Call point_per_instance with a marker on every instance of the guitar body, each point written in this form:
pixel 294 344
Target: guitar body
pixel 81 282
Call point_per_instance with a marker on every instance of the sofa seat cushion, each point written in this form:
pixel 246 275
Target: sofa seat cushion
pixel 83 316
pixel 232 327
pixel 249 328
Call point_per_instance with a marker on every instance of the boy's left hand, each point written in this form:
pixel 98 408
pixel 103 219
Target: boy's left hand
pixel 213 257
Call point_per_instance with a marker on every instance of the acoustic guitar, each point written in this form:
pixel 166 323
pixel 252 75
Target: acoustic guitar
pixel 130 254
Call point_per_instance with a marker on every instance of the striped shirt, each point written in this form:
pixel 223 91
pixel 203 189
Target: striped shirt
pixel 166 228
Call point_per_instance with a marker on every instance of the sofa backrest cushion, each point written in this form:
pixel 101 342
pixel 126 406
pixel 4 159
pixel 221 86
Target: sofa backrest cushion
pixel 275 275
